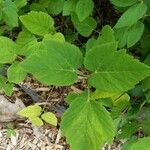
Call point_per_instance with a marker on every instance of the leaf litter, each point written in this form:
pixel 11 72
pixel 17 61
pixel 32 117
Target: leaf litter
pixel 29 137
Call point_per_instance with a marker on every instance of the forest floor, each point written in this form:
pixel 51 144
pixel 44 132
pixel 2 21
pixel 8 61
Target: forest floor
pixel 27 136
pixel 33 138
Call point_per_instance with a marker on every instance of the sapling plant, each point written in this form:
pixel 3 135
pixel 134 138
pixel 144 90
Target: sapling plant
pixel 34 114
pixel 114 74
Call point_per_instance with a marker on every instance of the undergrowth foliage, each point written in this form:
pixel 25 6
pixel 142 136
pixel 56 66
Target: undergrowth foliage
pixel 117 62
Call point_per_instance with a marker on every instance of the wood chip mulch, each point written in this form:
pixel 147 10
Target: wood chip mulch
pixel 32 138
pixel 29 137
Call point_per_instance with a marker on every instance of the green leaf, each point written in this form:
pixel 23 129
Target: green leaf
pixel 10 133
pixel 45 3
pixel 8 89
pixel 37 7
pixel 1 66
pixel 147 60
pixel 20 3
pixel 10 126
pixel 10 15
pixel 2 70
pixel 16 73
pixel 129 35
pixel 113 71
pixel 106 102
pixel 145 44
pixel 128 143
pixel 142 143
pixel 2 30
pixel 123 3
pixel 148 5
pixel 129 129
pixel 146 81
pixel 85 27
pixel 50 118
pixel 132 15
pixel 7 50
pixel 33 48
pixel 69 7
pixel 24 41
pixel 38 23
pixel 84 8
pixel 102 94
pixel 90 43
pixel 58 63
pixel 147 97
pixel 146 120
pixel 55 7
pixel 71 97
pixel 106 36
pixel 87 124
pixel 120 104
pixel 56 37
pixel 1 15
pixel 121 35
pixel 31 111
pixel 36 121
pixel 6 86
pixel 135 33
pixel 3 81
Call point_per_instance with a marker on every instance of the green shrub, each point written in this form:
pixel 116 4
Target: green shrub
pixel 115 77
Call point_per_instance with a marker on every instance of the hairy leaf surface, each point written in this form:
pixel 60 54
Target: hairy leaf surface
pixel 113 71
pixel 135 33
pixel 84 8
pixel 10 13
pixel 55 64
pixel 87 124
pixel 7 50
pixel 85 27
pixel 123 3
pixel 20 3
pixel 38 23
pixel 69 7
pixel 24 41
pixel 141 143
pixel 106 36
pixel 15 73
pixel 129 35
pixel 132 15
pixel 55 6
